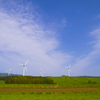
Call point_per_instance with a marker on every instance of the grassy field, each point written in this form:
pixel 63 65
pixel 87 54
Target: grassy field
pixel 50 96
pixel 65 88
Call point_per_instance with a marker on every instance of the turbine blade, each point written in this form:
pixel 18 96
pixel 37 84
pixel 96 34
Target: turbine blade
pixel 42 71
pixel 10 69
pixel 26 62
pixel 20 64
pixel 6 70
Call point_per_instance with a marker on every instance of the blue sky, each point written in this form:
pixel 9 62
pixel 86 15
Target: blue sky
pixel 51 34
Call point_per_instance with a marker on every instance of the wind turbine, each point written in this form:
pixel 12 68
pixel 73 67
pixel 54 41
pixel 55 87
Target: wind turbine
pixel 8 71
pixel 42 72
pixel 68 70
pixel 24 67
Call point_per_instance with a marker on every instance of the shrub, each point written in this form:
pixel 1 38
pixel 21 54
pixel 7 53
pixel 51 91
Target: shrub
pixel 90 82
pixel 63 92
pixel 47 92
pixel 39 92
pixel 29 80
pixel 23 92
pixel 32 92
pixel 9 93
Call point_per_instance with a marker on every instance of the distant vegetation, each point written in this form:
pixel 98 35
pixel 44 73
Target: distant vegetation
pixel 5 77
pixel 3 74
pixel 59 81
pixel 6 74
pixel 28 80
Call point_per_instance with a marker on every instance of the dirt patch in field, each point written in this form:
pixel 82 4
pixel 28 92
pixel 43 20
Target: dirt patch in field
pixel 5 90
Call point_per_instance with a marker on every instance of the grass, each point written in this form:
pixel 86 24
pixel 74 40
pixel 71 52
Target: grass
pixel 65 81
pixel 65 88
pixel 76 81
pixel 51 96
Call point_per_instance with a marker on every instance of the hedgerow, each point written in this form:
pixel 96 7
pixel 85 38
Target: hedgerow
pixel 29 80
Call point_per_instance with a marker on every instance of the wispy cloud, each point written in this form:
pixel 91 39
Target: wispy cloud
pixel 23 35
pixel 90 61
pixel 64 22
pixel 98 16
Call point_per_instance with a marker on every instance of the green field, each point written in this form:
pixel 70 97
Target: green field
pixel 52 96
pixel 65 88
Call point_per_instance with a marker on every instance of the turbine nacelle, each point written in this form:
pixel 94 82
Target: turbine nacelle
pixel 24 67
pixel 42 72
pixel 8 71
pixel 68 70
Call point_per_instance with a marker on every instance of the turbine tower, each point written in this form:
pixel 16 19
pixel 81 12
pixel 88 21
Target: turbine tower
pixel 68 70
pixel 8 71
pixel 42 72
pixel 24 67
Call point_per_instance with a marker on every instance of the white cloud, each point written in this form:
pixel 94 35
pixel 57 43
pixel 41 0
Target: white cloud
pixel 24 36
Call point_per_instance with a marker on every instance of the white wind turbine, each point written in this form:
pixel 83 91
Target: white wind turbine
pixel 68 70
pixel 24 67
pixel 42 72
pixel 8 71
